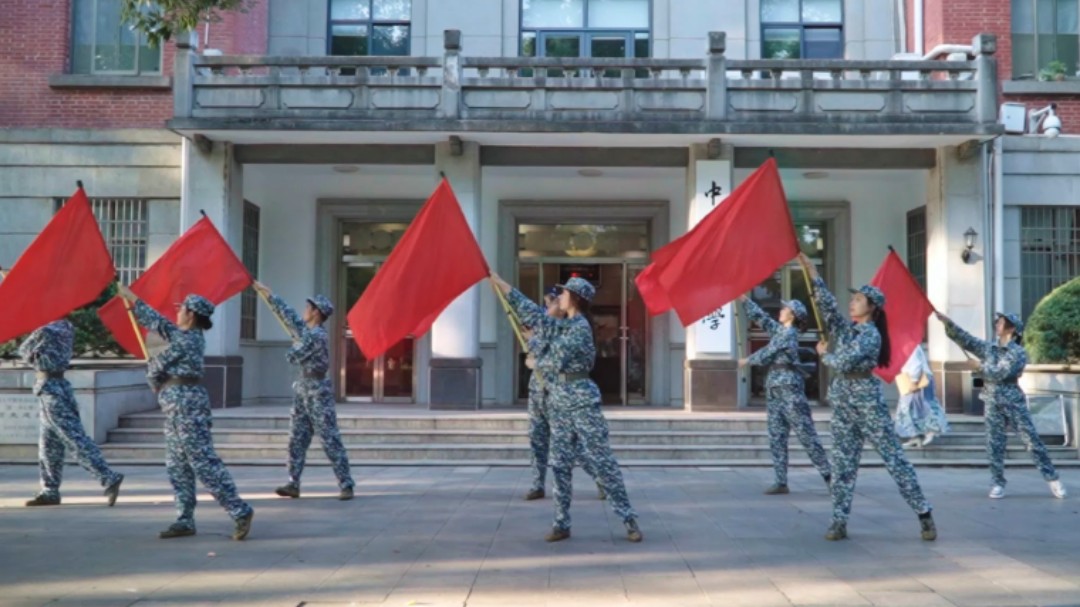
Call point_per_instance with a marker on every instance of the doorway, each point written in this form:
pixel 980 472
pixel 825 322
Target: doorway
pixel 610 257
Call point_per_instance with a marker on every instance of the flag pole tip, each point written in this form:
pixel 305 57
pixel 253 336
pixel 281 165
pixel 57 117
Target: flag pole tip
pixel 442 174
pixel 772 153
pixel 202 212
pixel 891 248
pixel 78 182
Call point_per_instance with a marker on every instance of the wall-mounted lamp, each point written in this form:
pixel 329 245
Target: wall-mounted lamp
pixel 969 244
pixel 346 244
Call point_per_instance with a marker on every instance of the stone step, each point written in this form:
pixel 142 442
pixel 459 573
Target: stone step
pixel 280 437
pixel 520 453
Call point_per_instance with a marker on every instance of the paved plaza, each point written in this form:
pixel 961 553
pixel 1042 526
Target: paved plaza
pixel 444 536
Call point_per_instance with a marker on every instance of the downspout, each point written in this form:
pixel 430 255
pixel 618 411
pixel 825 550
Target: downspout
pixel 919 46
pixel 901 19
pixel 999 225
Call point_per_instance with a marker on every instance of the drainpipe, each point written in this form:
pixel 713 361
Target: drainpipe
pixel 901 19
pixel 949 49
pixel 999 225
pixel 919 46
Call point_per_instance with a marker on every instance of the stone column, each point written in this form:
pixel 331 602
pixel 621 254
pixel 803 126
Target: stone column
pixel 954 204
pixel 713 381
pixel 454 378
pixel 212 182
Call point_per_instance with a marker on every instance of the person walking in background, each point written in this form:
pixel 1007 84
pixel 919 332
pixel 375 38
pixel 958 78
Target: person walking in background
pixel 919 416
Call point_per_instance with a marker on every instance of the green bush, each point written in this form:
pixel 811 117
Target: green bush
pixel 1053 331
pixel 92 339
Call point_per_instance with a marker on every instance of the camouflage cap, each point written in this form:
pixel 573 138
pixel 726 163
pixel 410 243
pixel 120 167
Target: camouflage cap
pixel 552 292
pixel 580 287
pixel 872 293
pixel 797 308
pixel 323 305
pixel 199 305
pixel 1014 320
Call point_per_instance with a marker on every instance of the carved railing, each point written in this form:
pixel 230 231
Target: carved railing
pixel 455 87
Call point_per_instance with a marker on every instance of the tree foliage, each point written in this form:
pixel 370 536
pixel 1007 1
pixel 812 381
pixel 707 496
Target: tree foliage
pixel 1053 331
pixel 160 20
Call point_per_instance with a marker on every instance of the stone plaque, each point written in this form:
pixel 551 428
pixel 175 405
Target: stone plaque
pixel 19 419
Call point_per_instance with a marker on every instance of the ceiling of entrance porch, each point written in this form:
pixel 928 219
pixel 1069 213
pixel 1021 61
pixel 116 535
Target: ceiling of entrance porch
pixel 257 137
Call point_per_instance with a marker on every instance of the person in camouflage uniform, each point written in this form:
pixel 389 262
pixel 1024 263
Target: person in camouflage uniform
pixel 539 424
pixel 859 409
pixel 1001 363
pixel 48 350
pixel 175 375
pixel 786 405
pixel 313 404
pixel 574 401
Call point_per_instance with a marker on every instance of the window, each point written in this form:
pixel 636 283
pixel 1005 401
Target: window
pixel 585 28
pixel 249 300
pixel 102 44
pixel 802 29
pixel 124 225
pixel 1044 31
pixel 916 245
pixel 1049 251
pixel 364 28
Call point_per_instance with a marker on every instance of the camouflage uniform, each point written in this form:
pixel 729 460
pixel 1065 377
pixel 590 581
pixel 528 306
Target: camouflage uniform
pixel 540 423
pixel 174 374
pixel 574 405
pixel 49 351
pixel 1001 368
pixel 313 404
pixel 859 409
pixel 786 404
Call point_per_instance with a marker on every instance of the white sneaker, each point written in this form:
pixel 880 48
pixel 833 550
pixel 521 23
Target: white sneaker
pixel 1057 489
pixel 912 444
pixel 929 438
pixel 997 492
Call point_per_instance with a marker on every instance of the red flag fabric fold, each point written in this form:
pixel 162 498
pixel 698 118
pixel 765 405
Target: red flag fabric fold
pixel 66 267
pixel 436 260
pixel 907 311
pixel 199 262
pixel 734 248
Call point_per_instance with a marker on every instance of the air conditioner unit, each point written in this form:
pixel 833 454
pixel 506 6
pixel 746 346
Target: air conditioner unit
pixel 1014 118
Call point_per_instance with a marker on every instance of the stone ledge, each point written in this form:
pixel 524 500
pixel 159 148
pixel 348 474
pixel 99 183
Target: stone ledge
pixel 78 81
pixel 1035 87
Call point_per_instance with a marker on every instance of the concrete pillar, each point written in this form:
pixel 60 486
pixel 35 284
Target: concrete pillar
pixel 212 181
pixel 455 337
pixel 713 381
pixel 954 204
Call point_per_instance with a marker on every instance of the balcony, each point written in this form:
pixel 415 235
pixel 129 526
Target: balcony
pixel 712 95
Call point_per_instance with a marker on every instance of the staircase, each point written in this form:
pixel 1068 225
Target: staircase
pixel 641 437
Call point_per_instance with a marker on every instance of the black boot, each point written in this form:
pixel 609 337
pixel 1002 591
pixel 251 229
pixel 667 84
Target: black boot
pixel 534 494
pixel 44 500
pixel 557 534
pixel 927 528
pixel 177 530
pixel 837 531
pixel 243 526
pixel 289 490
pixel 633 532
pixel 113 491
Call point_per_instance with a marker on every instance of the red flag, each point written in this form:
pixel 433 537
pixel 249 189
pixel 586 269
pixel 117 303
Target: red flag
pixel 199 262
pixel 435 261
pixel 735 247
pixel 907 308
pixel 66 267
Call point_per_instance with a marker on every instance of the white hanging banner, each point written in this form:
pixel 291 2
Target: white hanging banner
pixel 715 333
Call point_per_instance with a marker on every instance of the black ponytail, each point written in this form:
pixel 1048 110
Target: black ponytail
pixel 583 307
pixel 885 355
pixel 203 322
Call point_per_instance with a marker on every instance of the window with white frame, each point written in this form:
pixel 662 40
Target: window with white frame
pixel 378 28
pixel 125 225
pixel 1049 251
pixel 802 29
pixel 1044 32
pixel 103 44
pixel 249 300
pixel 585 28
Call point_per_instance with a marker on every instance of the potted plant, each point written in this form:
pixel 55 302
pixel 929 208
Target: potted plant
pixel 1055 70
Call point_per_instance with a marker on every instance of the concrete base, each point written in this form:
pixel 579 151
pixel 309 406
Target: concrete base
pixel 712 385
pixel 456 381
pixel 103 393
pixel 1057 380
pixel 224 380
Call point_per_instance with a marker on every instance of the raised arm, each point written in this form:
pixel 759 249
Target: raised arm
pixel 965 340
pixel 152 320
pixel 288 316
pixel 756 314
pixel 835 322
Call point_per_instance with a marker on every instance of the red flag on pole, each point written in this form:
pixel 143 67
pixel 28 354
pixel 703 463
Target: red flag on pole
pixel 436 260
pixel 199 262
pixel 66 267
pixel 907 311
pixel 735 247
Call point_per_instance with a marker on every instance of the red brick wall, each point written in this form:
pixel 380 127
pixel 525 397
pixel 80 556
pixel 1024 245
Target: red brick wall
pixel 35 42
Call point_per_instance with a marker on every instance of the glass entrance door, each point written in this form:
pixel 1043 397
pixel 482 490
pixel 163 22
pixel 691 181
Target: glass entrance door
pixel 619 318
pixel 789 282
pixel 388 378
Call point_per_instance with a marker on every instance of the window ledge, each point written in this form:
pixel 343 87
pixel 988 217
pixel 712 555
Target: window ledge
pixel 1035 87
pixel 90 81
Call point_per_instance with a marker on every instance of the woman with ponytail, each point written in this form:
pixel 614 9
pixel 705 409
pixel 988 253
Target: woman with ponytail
pixel 860 345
